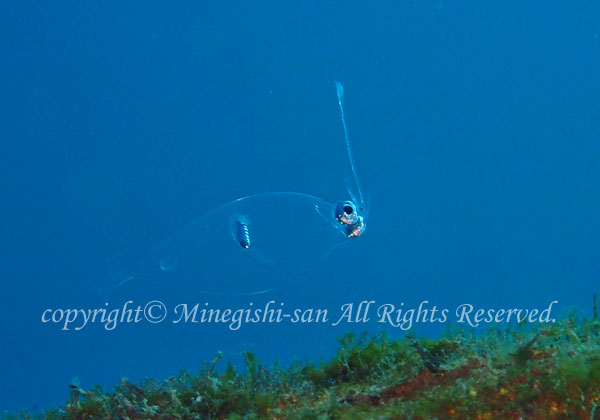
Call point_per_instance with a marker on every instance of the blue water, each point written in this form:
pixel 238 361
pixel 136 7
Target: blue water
pixel 476 128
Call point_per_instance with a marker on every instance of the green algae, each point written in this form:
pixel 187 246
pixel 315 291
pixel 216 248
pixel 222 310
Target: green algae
pixel 528 372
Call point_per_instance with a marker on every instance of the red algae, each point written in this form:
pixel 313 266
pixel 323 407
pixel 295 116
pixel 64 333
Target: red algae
pixel 534 373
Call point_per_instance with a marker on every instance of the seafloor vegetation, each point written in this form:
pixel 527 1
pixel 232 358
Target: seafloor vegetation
pixel 532 372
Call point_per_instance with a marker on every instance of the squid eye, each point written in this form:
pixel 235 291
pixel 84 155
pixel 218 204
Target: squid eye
pixel 345 213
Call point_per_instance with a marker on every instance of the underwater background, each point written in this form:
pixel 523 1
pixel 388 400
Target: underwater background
pixel 475 128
